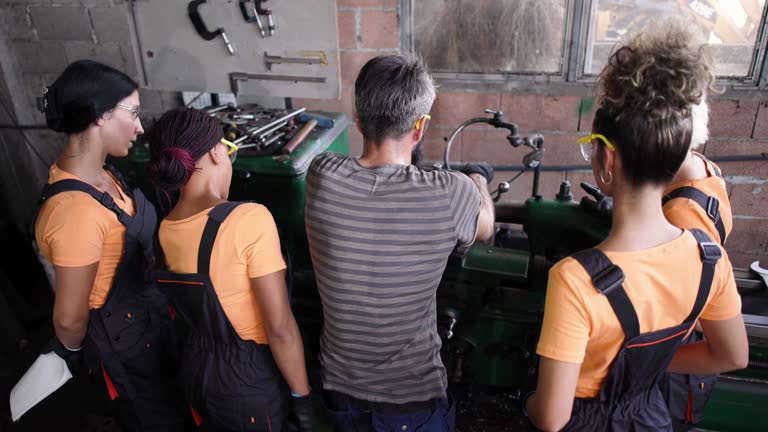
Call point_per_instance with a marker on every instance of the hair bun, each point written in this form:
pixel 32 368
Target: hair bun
pixel 171 169
pixel 661 73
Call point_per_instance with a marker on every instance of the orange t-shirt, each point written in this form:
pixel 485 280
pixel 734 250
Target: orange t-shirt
pixel 75 230
pixel 247 246
pixel 686 213
pixel 661 282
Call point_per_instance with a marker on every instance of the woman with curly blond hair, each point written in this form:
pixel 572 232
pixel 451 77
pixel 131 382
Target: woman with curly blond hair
pixel 616 315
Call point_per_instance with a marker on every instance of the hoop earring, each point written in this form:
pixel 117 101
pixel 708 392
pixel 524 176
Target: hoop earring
pixel 610 177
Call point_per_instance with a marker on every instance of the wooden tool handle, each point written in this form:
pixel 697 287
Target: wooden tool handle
pixel 299 137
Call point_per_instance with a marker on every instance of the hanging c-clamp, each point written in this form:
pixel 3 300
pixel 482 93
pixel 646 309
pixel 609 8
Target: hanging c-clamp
pixel 246 9
pixel 260 10
pixel 202 30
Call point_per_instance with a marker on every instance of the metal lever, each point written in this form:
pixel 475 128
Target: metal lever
pixel 236 77
pixel 202 30
pixel 271 59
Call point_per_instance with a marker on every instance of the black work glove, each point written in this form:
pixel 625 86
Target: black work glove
pixel 304 410
pixel 73 358
pixel 481 168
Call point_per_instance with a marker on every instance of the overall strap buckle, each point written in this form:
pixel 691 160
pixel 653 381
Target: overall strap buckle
pixel 710 252
pixel 713 208
pixel 107 201
pixel 608 279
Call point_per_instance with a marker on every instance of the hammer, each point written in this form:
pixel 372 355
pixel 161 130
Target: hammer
pixel 299 137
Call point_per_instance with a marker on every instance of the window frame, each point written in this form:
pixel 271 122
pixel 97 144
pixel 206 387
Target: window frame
pixel 571 78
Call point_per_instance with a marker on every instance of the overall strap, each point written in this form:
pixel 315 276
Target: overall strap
pixel 711 168
pixel 104 198
pixel 160 263
pixel 215 219
pixel 608 278
pixel 710 253
pixel 709 203
pixel 120 179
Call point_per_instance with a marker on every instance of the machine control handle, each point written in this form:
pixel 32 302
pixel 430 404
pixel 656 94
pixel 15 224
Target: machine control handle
pixel 602 205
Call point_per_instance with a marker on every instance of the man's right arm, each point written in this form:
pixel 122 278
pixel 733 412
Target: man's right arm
pixel 486 217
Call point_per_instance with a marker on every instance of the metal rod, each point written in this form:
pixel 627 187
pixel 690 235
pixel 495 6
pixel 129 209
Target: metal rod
pixel 249 145
pixel 236 77
pixel 274 138
pixel 216 109
pixel 230 48
pixel 259 129
pixel 264 77
pixel 455 134
pixel 762 157
pixel 272 59
pixel 271 130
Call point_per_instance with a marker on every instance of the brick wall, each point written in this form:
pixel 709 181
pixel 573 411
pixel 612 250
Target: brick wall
pixel 368 28
pixel 44 42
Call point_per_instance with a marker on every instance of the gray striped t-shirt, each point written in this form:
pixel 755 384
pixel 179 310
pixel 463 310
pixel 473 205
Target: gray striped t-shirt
pixel 380 238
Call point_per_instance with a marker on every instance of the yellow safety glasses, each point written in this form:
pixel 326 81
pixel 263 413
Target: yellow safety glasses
pixel 231 149
pixel 423 120
pixel 587 145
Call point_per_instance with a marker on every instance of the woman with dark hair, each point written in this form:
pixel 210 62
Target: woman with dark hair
pixel 225 275
pixel 615 316
pixel 97 234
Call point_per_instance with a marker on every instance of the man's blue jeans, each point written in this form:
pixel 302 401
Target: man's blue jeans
pixel 354 415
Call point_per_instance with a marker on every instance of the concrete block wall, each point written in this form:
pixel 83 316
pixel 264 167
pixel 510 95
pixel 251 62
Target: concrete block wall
pixel 368 28
pixel 38 38
pixel 46 35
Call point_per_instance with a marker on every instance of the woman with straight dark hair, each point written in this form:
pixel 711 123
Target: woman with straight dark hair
pixel 616 316
pixel 225 276
pixel 98 234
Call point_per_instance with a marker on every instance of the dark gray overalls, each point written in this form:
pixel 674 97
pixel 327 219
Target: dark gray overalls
pixel 630 398
pixel 234 384
pixel 687 395
pixel 130 335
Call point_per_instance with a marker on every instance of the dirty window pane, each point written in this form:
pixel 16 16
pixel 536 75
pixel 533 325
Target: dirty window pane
pixel 729 26
pixel 490 36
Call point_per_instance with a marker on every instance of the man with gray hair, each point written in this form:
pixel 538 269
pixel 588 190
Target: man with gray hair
pixel 380 232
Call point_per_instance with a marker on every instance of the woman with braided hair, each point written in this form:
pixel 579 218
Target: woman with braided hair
pixel 616 315
pixel 222 268
pixel 97 233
